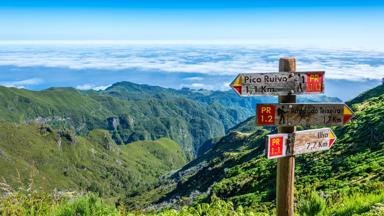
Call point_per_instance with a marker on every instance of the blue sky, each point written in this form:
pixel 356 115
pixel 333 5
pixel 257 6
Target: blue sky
pixel 351 24
pixel 168 4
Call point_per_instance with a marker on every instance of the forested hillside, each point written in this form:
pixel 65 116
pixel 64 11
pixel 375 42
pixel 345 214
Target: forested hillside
pixel 128 111
pixel 65 162
pixel 132 112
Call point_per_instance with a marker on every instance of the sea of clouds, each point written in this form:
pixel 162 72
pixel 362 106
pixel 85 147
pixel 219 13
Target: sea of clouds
pixel 199 66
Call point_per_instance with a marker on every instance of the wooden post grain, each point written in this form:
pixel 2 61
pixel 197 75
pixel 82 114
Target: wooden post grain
pixel 286 165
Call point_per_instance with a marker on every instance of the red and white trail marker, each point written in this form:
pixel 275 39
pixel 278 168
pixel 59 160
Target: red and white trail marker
pixel 277 146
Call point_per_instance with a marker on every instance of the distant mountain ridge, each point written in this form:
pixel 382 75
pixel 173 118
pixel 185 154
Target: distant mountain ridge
pixel 129 115
pixel 132 112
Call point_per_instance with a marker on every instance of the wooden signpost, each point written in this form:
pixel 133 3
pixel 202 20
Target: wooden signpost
pixel 289 114
pixel 286 115
pixel 286 165
pixel 282 83
pixel 301 142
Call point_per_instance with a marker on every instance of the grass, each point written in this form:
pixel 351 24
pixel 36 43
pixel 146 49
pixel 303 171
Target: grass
pixel 33 203
pixel 357 204
pixel 311 205
pixel 88 205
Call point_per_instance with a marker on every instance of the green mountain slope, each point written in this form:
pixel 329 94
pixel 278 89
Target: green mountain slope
pixel 127 119
pixel 236 170
pixel 225 106
pixel 56 159
pixel 67 139
pixel 375 92
pixel 132 112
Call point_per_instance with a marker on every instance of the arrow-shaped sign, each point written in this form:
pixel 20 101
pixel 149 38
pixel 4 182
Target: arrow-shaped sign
pixel 301 142
pixel 290 114
pixel 313 140
pixel 281 83
pixel 348 114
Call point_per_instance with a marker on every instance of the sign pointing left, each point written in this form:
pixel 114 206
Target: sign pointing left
pixel 236 84
pixel 282 83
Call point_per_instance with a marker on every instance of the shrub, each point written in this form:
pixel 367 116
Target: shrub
pixel 215 207
pixel 87 205
pixel 31 204
pixel 357 204
pixel 311 205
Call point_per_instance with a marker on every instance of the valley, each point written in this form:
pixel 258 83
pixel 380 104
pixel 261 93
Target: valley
pixel 152 149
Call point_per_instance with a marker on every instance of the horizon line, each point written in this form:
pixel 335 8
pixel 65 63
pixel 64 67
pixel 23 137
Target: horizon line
pixel 270 43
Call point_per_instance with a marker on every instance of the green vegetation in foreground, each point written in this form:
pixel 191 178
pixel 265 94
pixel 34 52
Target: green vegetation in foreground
pixel 27 203
pixel 57 160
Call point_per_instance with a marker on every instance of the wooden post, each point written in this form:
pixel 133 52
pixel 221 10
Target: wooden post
pixel 286 165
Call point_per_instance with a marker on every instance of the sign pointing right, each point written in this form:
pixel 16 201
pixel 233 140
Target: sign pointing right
pixel 300 142
pixel 313 140
pixel 288 114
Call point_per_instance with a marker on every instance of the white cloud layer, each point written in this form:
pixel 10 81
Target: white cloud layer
pixel 209 60
pixel 22 83
pixel 199 86
pixel 194 78
pixel 92 86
